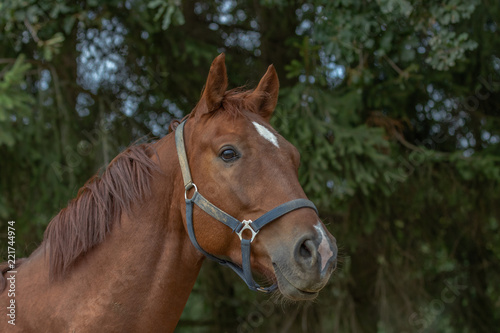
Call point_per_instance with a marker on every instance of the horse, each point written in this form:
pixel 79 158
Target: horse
pixel 123 256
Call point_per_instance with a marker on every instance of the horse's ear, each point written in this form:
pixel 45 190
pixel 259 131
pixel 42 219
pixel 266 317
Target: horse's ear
pixel 265 96
pixel 216 84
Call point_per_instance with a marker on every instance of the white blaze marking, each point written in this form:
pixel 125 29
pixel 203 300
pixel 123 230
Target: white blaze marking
pixel 266 134
pixel 324 248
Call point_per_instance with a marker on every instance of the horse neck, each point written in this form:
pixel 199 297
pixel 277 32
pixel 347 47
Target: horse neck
pixel 142 274
pixel 169 250
pixel 159 261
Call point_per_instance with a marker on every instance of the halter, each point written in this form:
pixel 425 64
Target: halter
pixel 245 272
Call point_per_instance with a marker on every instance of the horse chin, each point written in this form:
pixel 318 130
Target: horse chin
pixel 288 290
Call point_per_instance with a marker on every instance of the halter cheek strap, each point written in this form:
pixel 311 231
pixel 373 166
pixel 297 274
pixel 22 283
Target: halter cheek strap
pixel 244 272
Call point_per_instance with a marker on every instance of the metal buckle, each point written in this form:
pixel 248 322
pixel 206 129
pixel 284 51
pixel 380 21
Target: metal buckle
pixel 187 188
pixel 246 226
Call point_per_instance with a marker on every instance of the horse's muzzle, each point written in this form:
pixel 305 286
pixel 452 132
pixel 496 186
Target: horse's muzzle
pixel 303 272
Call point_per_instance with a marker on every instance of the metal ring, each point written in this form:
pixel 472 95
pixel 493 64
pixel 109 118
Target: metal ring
pixel 247 226
pixel 187 188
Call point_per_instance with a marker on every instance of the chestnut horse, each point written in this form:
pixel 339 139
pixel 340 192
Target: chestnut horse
pixel 124 255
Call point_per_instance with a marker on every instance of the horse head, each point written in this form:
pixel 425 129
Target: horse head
pixel 244 168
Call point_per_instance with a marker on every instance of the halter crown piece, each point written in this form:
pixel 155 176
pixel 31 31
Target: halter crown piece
pixel 238 227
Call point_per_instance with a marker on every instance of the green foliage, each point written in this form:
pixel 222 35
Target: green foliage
pixel 169 10
pixel 393 105
pixel 338 157
pixel 15 102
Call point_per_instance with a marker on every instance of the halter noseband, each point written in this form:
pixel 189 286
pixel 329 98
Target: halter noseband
pixel 238 227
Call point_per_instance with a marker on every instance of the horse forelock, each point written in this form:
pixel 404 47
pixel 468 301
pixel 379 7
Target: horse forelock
pixel 234 103
pixel 87 219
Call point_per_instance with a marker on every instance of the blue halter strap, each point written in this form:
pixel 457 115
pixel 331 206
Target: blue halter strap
pixel 238 227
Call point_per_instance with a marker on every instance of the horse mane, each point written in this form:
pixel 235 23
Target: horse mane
pixel 87 219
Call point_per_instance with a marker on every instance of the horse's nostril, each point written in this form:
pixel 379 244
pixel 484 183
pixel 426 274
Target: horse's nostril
pixel 304 251
pixel 306 254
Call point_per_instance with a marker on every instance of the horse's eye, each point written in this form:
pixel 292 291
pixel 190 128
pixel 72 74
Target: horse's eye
pixel 228 155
